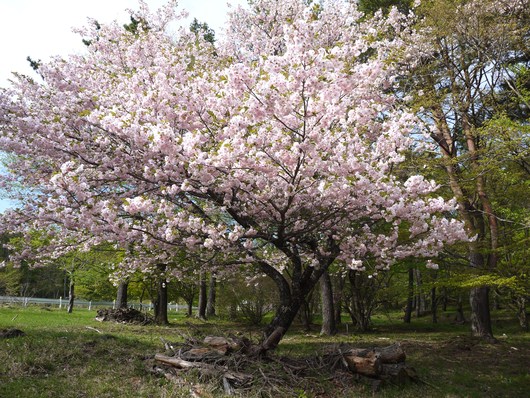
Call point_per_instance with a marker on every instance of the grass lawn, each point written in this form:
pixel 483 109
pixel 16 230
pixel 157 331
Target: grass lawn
pixel 62 355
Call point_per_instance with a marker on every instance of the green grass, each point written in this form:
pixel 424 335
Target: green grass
pixel 62 355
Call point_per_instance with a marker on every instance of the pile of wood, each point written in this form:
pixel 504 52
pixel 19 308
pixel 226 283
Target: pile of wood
pixel 232 364
pixel 123 315
pixel 382 364
pixel 215 357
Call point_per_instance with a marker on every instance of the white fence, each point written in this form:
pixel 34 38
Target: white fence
pixel 63 303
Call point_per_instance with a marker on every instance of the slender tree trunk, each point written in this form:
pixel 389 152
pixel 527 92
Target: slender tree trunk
pixel 190 307
pixel 71 296
pixel 121 296
pixel 210 306
pixel 460 318
pixel 201 311
pixel 522 313
pixel 338 292
pixel 434 305
pixel 444 299
pixel 420 307
pixel 410 297
pixel 329 327
pixel 160 304
pixel 305 315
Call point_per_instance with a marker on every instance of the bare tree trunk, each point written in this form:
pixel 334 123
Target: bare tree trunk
pixel 444 299
pixel 201 311
pixel 121 296
pixel 410 297
pixel 460 318
pixel 71 296
pixel 160 304
pixel 329 327
pixel 190 307
pixel 338 292
pixel 434 305
pixel 480 313
pixel 420 296
pixel 522 313
pixel 210 306
pixel 305 316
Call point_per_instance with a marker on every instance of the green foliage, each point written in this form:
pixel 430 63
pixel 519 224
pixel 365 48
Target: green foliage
pixel 202 28
pixel 136 26
pixel 247 300
pixel 372 6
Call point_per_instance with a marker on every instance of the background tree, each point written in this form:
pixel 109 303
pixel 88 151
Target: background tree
pixel 457 90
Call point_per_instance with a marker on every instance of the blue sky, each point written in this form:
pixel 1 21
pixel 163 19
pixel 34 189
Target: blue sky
pixel 43 28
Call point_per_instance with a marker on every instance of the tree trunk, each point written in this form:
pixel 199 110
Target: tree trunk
pixel 410 297
pixel 201 311
pixel 472 217
pixel 460 318
pixel 121 296
pixel 305 315
pixel 190 307
pixel 420 296
pixel 329 327
pixel 210 306
pixel 160 304
pixel 522 314
pixel 71 296
pixel 434 305
pixel 338 297
pixel 444 299
pixel 480 313
pixel 285 314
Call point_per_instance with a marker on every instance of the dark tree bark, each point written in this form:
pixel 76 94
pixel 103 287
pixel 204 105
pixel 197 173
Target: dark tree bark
pixel 434 305
pixel 210 306
pixel 305 315
pixel 444 299
pixel 338 292
pixel 201 311
pixel 420 295
pixel 291 296
pixel 410 296
pixel 189 312
pixel 160 304
pixel 121 296
pixel 522 313
pixel 71 296
pixel 480 313
pixel 460 318
pixel 329 327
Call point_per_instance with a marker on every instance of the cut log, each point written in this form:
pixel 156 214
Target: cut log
pixel 392 354
pixel 398 373
pixel 222 344
pixel 367 362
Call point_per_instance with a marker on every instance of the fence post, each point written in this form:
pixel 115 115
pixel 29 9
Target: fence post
pixel 60 302
pixel 89 305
